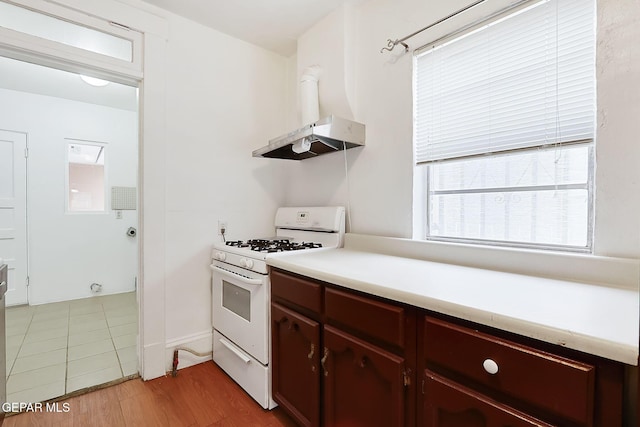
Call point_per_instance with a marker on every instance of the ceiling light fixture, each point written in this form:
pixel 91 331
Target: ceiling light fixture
pixel 94 81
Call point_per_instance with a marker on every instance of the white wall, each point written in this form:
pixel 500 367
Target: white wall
pixel 617 149
pixel 225 98
pixel 69 251
pixel 381 176
pixel 209 100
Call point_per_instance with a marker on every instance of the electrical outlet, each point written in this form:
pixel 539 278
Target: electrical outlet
pixel 222 227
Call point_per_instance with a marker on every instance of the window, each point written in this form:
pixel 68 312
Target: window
pixel 86 177
pixel 101 48
pixel 504 130
pixel 50 28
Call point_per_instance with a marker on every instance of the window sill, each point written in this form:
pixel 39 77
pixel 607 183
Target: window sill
pixel 585 268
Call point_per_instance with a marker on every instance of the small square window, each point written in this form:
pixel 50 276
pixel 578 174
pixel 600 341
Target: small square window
pixel 86 177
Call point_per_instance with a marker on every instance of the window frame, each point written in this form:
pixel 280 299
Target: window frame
pixel 67 187
pixel 30 48
pixel 422 185
pixel 426 208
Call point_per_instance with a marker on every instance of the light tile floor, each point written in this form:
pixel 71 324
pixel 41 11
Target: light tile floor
pixel 55 349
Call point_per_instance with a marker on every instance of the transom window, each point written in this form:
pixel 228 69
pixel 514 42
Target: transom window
pixel 100 48
pixel 50 28
pixel 504 130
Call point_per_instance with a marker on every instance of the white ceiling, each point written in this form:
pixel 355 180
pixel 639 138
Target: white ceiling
pixel 272 24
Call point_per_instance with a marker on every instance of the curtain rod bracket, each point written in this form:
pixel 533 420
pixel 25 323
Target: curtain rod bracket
pixel 393 43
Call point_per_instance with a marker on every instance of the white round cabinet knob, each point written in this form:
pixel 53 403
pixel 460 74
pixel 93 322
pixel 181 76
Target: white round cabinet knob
pixel 490 366
pixel 221 256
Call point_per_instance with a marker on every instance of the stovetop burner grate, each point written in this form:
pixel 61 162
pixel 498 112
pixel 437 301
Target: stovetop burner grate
pixel 273 245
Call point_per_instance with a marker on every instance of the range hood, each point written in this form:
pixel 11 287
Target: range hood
pixel 324 136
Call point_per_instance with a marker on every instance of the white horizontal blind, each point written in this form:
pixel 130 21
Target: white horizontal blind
pixel 522 81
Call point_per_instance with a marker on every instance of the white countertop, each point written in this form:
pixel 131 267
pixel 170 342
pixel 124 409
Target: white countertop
pixel 594 319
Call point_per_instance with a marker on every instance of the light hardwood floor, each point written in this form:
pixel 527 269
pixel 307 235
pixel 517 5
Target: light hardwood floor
pixel 201 395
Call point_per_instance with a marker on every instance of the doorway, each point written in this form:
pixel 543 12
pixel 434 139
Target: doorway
pixel 78 326
pixel 13 213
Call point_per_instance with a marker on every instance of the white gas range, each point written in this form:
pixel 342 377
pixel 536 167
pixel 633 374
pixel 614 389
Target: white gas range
pixel 241 292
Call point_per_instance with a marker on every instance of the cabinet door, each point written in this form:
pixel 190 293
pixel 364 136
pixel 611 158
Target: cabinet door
pixel 296 364
pixel 448 404
pixel 363 384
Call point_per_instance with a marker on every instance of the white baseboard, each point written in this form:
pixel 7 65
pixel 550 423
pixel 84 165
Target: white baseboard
pixel 153 362
pixel 201 342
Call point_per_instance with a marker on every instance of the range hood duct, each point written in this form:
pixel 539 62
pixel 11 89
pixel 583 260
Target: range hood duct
pixel 317 136
pixel 324 136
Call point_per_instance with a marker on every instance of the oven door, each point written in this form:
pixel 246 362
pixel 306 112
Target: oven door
pixel 240 308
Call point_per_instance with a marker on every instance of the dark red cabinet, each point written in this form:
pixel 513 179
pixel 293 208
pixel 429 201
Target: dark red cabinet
pixel 452 405
pixel 342 358
pixel 339 358
pixel 361 382
pixel 552 383
pixel 510 380
pixel 296 364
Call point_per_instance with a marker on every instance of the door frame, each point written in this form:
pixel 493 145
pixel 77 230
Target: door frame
pixel 151 115
pixel 26 205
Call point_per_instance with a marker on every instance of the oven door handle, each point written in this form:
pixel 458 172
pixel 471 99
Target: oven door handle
pixel 235 351
pixel 236 276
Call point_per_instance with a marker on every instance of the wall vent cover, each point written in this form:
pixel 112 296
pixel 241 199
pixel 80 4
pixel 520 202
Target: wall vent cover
pixel 123 198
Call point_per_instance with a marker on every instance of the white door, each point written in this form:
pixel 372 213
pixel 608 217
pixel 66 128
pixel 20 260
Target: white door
pixel 13 213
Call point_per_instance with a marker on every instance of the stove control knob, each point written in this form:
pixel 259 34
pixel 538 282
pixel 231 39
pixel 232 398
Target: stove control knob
pixel 246 263
pixel 221 256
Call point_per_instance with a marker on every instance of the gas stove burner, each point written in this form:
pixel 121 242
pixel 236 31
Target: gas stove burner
pixel 273 245
pixel 305 245
pixel 237 244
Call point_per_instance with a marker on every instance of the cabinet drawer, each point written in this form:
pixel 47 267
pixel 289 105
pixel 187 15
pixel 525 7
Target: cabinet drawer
pixel 447 403
pixel 555 384
pixel 297 290
pixel 374 318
